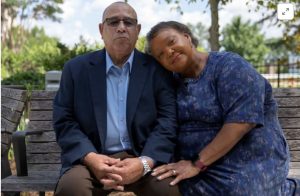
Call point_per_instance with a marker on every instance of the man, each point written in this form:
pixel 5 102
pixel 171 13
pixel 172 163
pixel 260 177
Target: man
pixel 115 115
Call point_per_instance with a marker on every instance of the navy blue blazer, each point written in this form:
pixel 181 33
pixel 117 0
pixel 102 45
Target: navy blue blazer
pixel 80 108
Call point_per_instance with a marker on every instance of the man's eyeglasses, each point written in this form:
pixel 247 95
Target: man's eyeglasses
pixel 115 21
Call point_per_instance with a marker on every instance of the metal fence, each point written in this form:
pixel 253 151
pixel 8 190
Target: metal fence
pixel 281 75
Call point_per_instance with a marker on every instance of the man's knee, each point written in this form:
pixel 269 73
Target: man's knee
pixel 76 181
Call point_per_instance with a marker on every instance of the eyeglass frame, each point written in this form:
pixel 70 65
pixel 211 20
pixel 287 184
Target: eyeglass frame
pixel 133 20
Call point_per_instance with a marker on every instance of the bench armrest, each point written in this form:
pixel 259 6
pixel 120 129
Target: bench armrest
pixel 19 147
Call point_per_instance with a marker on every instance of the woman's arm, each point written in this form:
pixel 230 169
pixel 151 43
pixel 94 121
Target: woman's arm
pixel 226 139
pixel 228 136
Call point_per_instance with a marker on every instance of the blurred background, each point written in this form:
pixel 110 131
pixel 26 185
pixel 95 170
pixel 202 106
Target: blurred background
pixel 38 36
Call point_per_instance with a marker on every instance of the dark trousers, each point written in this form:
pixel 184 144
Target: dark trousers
pixel 79 181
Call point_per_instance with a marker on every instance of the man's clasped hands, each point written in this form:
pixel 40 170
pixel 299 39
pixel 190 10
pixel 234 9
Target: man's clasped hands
pixel 114 173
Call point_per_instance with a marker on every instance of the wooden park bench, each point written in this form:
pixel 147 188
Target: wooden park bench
pixel 289 117
pixel 38 159
pixel 12 106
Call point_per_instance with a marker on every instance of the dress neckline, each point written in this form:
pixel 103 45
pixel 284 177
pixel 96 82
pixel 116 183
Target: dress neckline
pixel 194 80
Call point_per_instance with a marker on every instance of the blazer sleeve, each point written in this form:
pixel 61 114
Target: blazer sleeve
pixel 161 142
pixel 73 141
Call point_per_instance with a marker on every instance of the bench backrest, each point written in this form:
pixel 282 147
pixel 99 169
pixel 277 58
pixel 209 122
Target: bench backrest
pixel 44 154
pixel 289 116
pixel 12 106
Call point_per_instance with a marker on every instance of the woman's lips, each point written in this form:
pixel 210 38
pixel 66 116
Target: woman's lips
pixel 175 58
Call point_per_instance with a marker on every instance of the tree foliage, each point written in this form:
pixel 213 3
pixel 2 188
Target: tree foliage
pixel 38 54
pixel 141 44
pixel 27 52
pixel 291 37
pixel 245 39
pixel 18 13
pixel 292 28
pixel 37 51
pixel 277 49
pixel 36 9
pixel 214 10
pixel 201 33
pixel 271 17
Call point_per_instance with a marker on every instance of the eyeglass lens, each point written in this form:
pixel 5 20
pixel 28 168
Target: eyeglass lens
pixel 114 22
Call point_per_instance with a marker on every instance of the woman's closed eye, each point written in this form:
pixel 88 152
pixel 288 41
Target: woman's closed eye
pixel 171 41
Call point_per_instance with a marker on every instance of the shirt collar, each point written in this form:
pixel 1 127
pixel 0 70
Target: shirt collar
pixel 110 64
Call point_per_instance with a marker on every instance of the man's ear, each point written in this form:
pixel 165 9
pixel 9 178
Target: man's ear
pixel 139 28
pixel 100 26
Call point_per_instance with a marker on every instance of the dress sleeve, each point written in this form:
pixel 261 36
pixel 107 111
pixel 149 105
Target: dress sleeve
pixel 241 90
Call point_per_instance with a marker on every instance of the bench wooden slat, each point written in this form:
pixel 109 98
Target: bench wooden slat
pixel 50 147
pixel 295 165
pixel 16 94
pixel 295 156
pixel 288 102
pixel 292 133
pixel 40 125
pixel 44 158
pixel 37 95
pixel 35 181
pixel 41 105
pixel 10 114
pixel 283 92
pixel 44 167
pixel 40 115
pixel 44 137
pixel 289 112
pixel 5 142
pixel 289 122
pixel 289 106
pixel 294 145
pixel 5 137
pixel 12 103
pixel 12 106
pixel 294 173
pixel 8 126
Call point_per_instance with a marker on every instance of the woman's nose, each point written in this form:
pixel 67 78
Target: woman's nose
pixel 170 52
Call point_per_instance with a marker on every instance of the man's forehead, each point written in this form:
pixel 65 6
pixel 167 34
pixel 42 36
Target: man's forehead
pixel 119 9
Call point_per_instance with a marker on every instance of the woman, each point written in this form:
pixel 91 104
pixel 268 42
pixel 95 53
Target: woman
pixel 230 141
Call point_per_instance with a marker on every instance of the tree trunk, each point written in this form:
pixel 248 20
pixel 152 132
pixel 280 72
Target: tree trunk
pixel 10 34
pixel 214 28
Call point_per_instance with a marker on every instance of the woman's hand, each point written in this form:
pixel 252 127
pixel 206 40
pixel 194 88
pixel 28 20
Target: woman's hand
pixel 180 170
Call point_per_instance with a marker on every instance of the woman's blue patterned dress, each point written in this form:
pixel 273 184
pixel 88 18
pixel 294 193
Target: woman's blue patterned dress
pixel 229 90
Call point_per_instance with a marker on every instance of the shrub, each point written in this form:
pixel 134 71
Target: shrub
pixel 29 79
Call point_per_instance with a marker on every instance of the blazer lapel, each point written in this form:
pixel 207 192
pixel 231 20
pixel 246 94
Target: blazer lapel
pixel 136 84
pixel 97 79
